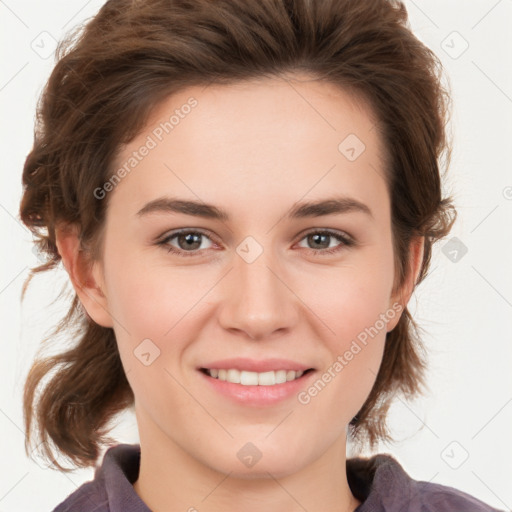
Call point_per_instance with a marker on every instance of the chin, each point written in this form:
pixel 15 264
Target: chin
pixel 276 464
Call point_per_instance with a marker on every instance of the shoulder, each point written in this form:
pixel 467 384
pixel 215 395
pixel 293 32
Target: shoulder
pixel 111 489
pixel 441 498
pixel 381 484
pixel 89 497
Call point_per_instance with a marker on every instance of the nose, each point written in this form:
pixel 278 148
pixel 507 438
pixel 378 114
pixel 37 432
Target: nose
pixel 257 300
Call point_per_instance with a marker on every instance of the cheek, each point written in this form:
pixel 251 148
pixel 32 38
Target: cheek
pixel 355 305
pixel 145 305
pixel 153 318
pixel 147 299
pixel 355 352
pixel 354 298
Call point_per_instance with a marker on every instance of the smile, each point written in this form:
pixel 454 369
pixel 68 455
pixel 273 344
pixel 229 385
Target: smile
pixel 248 378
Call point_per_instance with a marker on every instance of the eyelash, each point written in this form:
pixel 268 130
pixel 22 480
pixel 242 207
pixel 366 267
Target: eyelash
pixel 345 240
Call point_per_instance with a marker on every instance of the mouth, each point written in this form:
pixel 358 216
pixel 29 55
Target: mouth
pixel 249 378
pixel 258 383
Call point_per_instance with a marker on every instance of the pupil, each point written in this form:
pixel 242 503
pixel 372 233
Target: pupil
pixel 190 239
pixel 316 237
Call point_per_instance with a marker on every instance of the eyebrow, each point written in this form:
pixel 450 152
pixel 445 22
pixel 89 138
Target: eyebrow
pixel 330 206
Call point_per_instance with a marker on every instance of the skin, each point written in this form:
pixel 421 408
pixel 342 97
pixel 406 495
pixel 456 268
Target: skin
pixel 254 149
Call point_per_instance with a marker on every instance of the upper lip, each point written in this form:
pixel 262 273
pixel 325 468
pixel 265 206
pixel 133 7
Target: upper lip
pixel 253 365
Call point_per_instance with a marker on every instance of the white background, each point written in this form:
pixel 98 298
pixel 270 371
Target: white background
pixel 465 306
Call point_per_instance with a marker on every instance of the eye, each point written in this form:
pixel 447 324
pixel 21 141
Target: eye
pixel 324 237
pixel 189 242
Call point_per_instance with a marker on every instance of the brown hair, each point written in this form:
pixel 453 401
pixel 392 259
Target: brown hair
pixel 133 54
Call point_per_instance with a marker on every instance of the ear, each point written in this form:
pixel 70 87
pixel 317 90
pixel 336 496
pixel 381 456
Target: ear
pixel 85 275
pixel 403 294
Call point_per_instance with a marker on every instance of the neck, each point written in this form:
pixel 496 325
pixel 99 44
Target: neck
pixel 170 479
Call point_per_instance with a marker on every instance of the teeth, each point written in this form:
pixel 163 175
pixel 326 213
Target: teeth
pixel 254 378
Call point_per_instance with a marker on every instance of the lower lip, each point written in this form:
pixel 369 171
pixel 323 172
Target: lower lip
pixel 258 396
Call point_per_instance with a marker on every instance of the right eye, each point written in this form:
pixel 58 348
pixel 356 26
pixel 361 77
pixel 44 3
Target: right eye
pixel 187 239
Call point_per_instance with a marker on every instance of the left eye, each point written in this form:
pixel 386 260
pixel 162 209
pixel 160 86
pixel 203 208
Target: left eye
pixel 189 242
pixel 319 237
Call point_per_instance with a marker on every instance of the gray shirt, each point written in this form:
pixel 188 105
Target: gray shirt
pixel 379 483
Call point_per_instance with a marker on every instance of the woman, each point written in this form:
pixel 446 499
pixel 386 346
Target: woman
pixel 244 195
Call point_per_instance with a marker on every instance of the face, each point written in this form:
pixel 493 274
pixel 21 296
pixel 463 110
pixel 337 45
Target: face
pixel 255 281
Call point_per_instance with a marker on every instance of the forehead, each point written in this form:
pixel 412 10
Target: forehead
pixel 270 138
